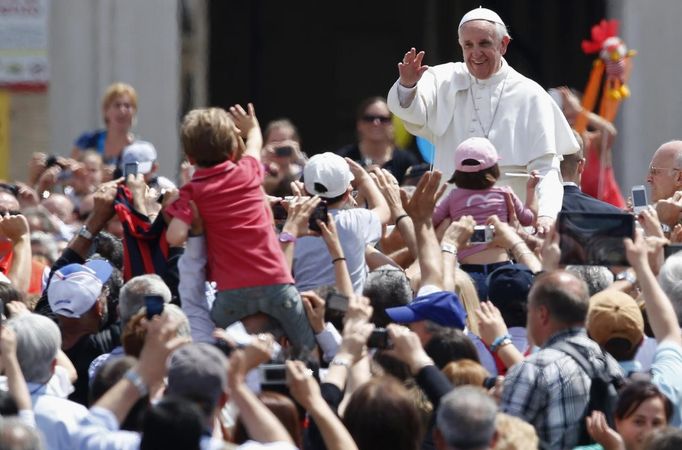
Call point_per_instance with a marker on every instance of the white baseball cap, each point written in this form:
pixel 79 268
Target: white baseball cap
pixel 75 287
pixel 327 175
pixel 141 152
pixel 481 13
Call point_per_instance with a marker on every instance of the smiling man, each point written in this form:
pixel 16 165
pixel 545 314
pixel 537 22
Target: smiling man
pixel 484 97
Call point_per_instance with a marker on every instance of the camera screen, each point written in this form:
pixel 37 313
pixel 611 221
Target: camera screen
pixel 671 249
pixel 154 305
pixel 594 239
pixel 378 339
pixel 273 374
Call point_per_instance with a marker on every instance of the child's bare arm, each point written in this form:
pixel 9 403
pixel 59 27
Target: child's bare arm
pixel 249 129
pixel 176 235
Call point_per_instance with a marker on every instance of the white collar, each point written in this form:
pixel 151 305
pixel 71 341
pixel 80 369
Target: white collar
pixel 569 183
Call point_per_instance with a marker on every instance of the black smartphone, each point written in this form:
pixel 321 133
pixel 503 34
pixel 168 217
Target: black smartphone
pixel 320 213
pixel 279 212
pixel 489 382
pixel 154 305
pixel 379 339
pixel 284 151
pixel 593 238
pixel 130 169
pixel 671 249
pixel 223 346
pixel 336 301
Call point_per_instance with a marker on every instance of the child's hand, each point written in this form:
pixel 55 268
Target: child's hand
pixel 244 121
pixel 533 179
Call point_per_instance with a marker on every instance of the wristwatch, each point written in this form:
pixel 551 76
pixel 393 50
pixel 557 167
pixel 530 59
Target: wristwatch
pixel 84 233
pixel 286 237
pixel 137 381
pixel 340 361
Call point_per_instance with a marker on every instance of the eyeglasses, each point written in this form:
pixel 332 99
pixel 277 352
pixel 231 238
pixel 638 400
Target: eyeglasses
pixel 653 171
pixel 11 212
pixel 371 118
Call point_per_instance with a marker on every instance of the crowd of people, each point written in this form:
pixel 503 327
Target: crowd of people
pixel 342 301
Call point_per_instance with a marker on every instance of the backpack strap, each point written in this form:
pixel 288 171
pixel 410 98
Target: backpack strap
pixel 577 356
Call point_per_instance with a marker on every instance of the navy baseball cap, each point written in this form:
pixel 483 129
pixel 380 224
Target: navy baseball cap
pixel 510 283
pixel 443 308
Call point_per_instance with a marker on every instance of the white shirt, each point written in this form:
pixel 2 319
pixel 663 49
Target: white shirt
pixel 57 418
pixel 99 431
pixel 526 127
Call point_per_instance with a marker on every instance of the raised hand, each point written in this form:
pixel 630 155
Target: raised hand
pixel 411 68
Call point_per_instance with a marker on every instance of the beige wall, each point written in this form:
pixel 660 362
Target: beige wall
pixel 96 42
pixel 29 131
pixel 651 116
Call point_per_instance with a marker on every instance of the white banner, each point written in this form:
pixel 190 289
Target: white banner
pixel 23 42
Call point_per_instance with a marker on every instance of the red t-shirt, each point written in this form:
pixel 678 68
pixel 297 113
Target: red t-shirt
pixel 243 250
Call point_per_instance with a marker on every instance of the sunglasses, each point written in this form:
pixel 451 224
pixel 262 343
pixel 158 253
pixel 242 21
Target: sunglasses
pixel 371 118
pixel 11 212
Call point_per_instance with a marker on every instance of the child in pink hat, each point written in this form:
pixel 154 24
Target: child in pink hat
pixel 476 172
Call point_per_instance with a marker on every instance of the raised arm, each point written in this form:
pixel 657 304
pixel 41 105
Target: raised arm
pixel 369 191
pixel 306 392
pixel 420 208
pixel 660 312
pixel 249 128
pixel 15 228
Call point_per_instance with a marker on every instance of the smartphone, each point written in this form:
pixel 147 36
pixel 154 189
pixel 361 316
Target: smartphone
pixel 130 169
pixel 279 212
pixel 639 201
pixel 223 346
pixel 154 305
pixel 379 339
pixel 284 151
pixel 489 382
pixel 594 239
pixel 320 213
pixel 671 249
pixel 482 234
pixel 336 301
pixel 272 374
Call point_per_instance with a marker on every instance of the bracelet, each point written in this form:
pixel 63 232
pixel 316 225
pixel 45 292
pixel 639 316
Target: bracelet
pixel 448 248
pixel 134 377
pixel 335 260
pixel 500 341
pixel 400 217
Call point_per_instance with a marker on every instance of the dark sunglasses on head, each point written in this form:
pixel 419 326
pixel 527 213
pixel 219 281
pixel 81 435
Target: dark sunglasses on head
pixel 11 212
pixel 371 118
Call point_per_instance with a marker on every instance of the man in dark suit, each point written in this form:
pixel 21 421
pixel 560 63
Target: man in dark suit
pixel 572 168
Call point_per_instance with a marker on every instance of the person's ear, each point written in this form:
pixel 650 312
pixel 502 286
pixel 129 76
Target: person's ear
pixel 503 45
pixel 543 314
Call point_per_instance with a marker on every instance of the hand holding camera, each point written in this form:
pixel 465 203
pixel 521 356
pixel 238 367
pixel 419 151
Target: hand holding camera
pixel 408 348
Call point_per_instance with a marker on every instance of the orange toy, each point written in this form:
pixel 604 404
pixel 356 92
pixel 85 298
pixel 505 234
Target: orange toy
pixel 616 61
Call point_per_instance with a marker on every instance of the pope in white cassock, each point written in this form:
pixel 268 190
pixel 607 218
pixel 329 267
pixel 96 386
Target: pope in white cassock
pixel 483 96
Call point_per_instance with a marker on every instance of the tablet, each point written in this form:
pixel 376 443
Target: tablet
pixel 594 238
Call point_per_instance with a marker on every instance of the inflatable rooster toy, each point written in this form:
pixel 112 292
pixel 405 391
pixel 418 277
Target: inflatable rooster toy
pixel 616 60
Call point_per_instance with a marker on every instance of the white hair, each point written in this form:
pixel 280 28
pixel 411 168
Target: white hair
pixel 670 279
pixel 38 341
pixel 466 418
pixel 131 297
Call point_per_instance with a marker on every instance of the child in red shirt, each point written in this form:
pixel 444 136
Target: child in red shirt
pixel 244 256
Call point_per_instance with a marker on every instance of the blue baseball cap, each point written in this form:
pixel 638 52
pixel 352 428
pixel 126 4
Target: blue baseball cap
pixel 442 307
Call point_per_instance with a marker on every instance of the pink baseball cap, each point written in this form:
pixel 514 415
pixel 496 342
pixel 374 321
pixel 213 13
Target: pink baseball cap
pixel 478 149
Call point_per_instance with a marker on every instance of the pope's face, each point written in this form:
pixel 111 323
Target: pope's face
pixel 482 48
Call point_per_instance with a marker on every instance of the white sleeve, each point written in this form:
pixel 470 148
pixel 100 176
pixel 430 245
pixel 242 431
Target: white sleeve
pixel 329 340
pixel 99 430
pixel 550 191
pixel 192 289
pixel 406 95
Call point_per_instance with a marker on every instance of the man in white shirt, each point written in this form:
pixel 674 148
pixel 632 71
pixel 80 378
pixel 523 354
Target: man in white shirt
pixel 483 96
